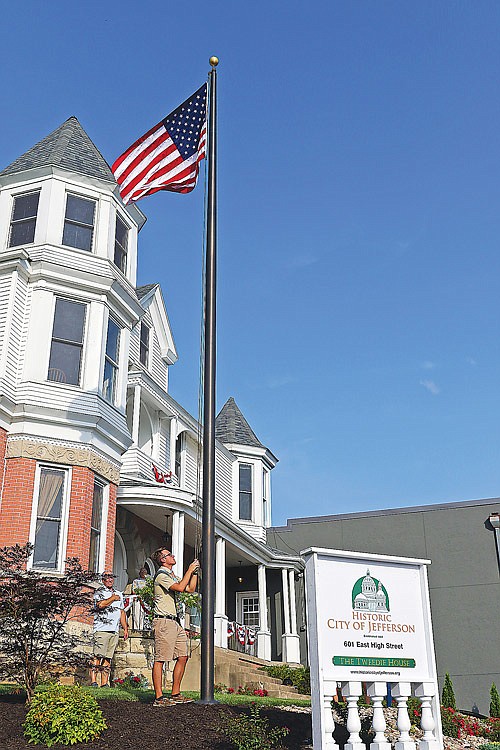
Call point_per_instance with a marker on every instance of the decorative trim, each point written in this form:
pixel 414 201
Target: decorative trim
pixel 62 454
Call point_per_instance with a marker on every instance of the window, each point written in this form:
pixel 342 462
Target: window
pixel 245 492
pixel 111 361
pixel 265 511
pixel 247 608
pixel 47 553
pixel 67 342
pixel 79 222
pixel 121 245
pixel 144 345
pixel 24 212
pixel 179 447
pixel 96 527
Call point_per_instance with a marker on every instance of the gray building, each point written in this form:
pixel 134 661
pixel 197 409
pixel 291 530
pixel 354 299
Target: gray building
pixel 462 541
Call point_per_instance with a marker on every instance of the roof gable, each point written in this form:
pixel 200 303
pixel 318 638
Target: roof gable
pixel 68 147
pixel 152 299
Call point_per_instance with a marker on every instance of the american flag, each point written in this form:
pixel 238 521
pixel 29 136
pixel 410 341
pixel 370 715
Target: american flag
pixel 167 157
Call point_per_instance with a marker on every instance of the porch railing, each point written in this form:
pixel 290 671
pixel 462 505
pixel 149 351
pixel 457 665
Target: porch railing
pixel 242 638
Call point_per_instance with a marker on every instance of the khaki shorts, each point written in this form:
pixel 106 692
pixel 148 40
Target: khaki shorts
pixel 105 644
pixel 170 640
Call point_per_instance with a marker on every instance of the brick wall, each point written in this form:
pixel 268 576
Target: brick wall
pixel 17 497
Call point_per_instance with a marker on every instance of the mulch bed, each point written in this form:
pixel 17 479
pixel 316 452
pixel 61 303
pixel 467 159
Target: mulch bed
pixel 140 726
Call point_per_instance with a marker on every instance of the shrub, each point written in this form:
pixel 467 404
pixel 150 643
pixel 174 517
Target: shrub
pixel 491 746
pixel 252 732
pixel 494 702
pixel 299 677
pixel 448 695
pixel 414 710
pixel 64 714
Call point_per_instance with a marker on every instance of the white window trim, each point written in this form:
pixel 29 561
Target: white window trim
pixel 13 197
pixel 240 595
pixel 63 539
pixel 101 557
pixel 150 348
pixel 252 494
pixel 125 271
pixel 81 384
pixel 118 384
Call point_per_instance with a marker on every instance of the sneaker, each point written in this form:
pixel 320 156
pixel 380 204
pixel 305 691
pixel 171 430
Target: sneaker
pixel 162 702
pixel 179 698
pixel 94 684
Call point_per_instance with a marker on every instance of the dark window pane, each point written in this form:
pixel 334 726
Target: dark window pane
pixel 22 233
pixel 94 550
pixel 97 507
pixel 80 210
pixel 112 340
pixel 69 320
pixel 121 233
pixel 120 258
pixel 25 206
pixel 108 387
pixel 245 506
pixel 77 236
pixel 64 364
pixel 45 554
pixel 245 478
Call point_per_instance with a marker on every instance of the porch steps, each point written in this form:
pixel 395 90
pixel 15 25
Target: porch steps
pixel 231 668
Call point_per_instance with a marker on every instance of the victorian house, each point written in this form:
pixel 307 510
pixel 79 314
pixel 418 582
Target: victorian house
pixel 97 460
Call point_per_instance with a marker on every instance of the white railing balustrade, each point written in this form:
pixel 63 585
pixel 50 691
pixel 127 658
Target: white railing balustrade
pixel 377 691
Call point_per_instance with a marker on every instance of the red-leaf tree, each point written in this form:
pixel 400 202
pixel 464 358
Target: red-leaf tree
pixel 35 609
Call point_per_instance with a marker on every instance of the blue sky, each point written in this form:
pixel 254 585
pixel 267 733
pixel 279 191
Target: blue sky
pixel 359 223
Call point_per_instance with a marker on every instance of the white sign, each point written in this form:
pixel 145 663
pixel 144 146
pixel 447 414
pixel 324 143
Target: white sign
pixel 368 621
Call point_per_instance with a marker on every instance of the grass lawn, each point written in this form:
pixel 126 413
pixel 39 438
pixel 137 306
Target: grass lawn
pixel 147 696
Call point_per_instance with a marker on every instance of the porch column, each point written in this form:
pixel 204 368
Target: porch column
pixel 290 639
pixel 178 542
pixel 220 617
pixel 136 414
pixel 263 636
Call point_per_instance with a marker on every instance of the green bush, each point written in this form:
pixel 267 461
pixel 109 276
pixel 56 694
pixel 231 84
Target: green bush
pixel 65 714
pixel 494 702
pixel 448 720
pixel 299 677
pixel 448 695
pixel 252 732
pixel 491 746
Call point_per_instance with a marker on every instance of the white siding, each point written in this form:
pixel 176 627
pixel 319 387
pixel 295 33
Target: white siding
pixel 190 464
pixel 5 282
pixel 223 484
pixel 158 366
pixel 164 444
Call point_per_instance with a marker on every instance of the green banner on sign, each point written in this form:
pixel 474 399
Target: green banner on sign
pixel 371 661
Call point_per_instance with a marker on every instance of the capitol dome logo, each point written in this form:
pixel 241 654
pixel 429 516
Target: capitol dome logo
pixel 370 595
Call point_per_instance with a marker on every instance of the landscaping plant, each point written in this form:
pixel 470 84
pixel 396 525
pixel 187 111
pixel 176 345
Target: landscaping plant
pixel 494 702
pixel 63 714
pixel 252 732
pixel 299 677
pixel 35 610
pixel 448 695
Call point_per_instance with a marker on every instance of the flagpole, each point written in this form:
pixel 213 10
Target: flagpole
pixel 208 492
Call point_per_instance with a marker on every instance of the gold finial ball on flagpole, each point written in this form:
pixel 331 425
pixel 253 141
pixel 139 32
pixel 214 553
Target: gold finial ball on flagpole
pixel 214 61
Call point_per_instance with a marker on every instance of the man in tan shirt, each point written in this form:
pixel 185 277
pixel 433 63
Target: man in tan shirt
pixel 170 637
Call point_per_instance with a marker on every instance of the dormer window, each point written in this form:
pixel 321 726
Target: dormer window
pixel 144 344
pixel 245 497
pixel 22 225
pixel 79 222
pixel 121 245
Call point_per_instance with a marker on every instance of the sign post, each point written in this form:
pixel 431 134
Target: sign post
pixel 369 621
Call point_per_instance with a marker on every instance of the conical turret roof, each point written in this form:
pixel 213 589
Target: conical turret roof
pixel 232 427
pixel 68 147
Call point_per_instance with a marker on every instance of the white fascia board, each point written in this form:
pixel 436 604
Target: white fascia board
pixel 325 552
pixel 154 302
pixel 253 451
